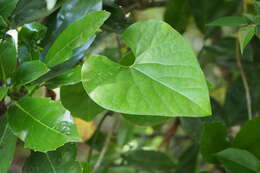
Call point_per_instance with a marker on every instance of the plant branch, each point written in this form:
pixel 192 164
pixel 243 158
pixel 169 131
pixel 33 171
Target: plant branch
pixel 245 82
pixel 104 149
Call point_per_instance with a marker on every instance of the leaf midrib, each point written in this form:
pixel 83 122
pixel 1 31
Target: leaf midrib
pixel 36 120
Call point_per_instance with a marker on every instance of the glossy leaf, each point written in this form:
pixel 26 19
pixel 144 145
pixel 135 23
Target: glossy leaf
pixel 29 71
pixel 7 58
pixel 213 140
pixel 149 160
pixel 6 7
pixel 76 100
pixel 248 137
pixel 7 145
pixel 145 120
pixel 63 160
pixel 70 77
pixel 239 161
pixel 27 11
pixel 229 21
pixel 42 124
pixel 245 34
pixel 74 37
pixel 164 79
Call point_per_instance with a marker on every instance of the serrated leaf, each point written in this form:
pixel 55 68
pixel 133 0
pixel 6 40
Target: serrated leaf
pixel 239 161
pixel 7 58
pixel 63 160
pixel 245 34
pixel 7 145
pixel 248 137
pixel 6 7
pixel 145 120
pixel 76 100
pixel 213 140
pixel 149 160
pixel 42 124
pixel 74 37
pixel 165 78
pixel 229 21
pixel 29 71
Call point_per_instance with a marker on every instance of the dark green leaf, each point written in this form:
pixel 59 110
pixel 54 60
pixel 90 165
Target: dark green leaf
pixel 213 140
pixel 7 58
pixel 257 31
pixel 153 84
pixel 29 71
pixel 248 137
pixel 145 120
pixel 42 124
pixel 239 161
pixel 27 11
pixel 76 100
pixel 229 21
pixel 149 160
pixel 7 145
pixel 63 160
pixel 6 7
pixel 177 14
pixel 74 36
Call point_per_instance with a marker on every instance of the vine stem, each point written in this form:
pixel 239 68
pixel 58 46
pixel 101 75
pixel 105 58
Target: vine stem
pixel 245 82
pixel 105 147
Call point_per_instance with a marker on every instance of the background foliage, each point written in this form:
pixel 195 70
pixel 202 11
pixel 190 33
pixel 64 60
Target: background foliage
pixel 53 119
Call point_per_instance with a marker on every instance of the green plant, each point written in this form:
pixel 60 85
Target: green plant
pixel 74 65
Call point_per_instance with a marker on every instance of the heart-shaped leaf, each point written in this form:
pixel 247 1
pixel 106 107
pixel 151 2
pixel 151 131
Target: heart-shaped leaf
pixel 42 124
pixel 165 78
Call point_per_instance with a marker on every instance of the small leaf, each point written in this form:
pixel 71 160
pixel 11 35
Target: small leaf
pixel 229 21
pixel 3 92
pixel 248 137
pixel 70 77
pixel 50 4
pixel 76 100
pixel 145 120
pixel 74 36
pixel 245 34
pixel 42 124
pixel 29 71
pixel 164 80
pixel 257 7
pixel 239 161
pixel 149 160
pixel 7 58
pixel 257 31
pixel 7 145
pixel 63 160
pixel 213 140
pixel 85 129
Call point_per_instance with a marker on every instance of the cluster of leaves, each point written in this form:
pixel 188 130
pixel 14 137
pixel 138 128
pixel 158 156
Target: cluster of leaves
pixel 145 79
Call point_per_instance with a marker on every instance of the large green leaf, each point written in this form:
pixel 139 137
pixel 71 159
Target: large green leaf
pixel 7 145
pixel 248 137
pixel 29 71
pixel 60 161
pixel 7 58
pixel 74 37
pixel 6 7
pixel 76 100
pixel 165 78
pixel 245 34
pixel 42 124
pixel 149 160
pixel 239 161
pixel 213 140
